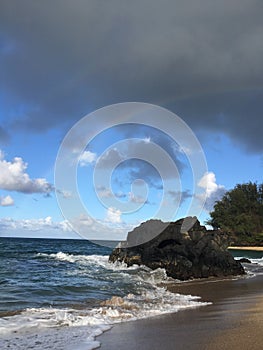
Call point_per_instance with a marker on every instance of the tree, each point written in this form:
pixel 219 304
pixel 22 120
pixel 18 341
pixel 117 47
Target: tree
pixel 240 211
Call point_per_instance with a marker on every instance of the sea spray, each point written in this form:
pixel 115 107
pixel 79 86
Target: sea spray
pixel 73 297
pixel 58 294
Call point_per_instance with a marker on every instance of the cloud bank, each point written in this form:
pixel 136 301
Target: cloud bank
pixel 201 59
pixel 42 227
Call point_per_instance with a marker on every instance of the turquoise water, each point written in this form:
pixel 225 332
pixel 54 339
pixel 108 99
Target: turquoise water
pixel 249 254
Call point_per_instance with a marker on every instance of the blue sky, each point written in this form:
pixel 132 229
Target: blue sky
pixel 61 62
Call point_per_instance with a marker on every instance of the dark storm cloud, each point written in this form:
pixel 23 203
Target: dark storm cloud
pixel 202 59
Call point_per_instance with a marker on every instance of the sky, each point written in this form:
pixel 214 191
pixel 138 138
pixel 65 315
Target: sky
pixel 63 65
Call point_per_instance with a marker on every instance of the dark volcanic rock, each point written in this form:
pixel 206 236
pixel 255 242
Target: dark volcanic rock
pixel 244 260
pixel 185 254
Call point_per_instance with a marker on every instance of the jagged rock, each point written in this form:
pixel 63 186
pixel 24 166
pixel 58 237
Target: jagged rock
pixel 184 249
pixel 244 260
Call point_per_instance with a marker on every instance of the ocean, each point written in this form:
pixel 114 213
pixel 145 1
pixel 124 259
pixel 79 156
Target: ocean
pixel 61 294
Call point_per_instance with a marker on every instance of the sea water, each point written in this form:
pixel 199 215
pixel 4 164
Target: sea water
pixel 61 294
pixel 255 257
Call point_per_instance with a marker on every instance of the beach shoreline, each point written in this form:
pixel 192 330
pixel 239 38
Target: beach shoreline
pixel 229 322
pixel 257 249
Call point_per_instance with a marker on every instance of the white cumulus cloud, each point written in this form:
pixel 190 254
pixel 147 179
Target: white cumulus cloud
pixel 13 177
pixel 87 158
pixel 213 191
pixel 6 201
pixel 113 215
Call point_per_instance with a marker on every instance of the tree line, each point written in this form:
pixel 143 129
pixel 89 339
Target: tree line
pixel 240 213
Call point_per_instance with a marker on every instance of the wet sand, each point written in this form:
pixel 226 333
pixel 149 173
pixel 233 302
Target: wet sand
pixel 246 332
pixel 233 321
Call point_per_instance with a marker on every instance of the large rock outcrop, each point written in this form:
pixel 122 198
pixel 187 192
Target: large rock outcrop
pixel 185 254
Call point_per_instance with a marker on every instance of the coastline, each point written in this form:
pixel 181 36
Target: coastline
pixel 233 320
pixel 257 249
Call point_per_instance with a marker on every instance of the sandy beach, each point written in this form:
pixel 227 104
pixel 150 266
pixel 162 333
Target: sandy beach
pixel 246 333
pixel 234 320
pixel 257 249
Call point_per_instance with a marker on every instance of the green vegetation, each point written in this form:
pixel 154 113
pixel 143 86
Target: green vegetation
pixel 240 213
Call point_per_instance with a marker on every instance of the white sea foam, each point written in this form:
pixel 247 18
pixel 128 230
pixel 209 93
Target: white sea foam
pixel 93 260
pixel 82 259
pixel 53 328
pixel 43 327
pixel 253 269
pixel 258 261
